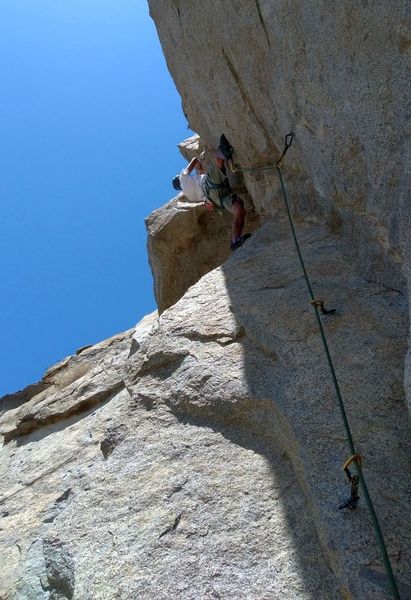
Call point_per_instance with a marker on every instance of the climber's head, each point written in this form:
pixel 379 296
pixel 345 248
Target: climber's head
pixel 176 183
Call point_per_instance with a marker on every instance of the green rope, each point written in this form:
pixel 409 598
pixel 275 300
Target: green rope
pixel 377 528
pixel 238 169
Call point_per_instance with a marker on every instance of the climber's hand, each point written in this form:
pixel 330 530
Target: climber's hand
pixel 209 205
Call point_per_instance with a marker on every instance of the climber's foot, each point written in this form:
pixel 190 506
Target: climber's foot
pixel 239 241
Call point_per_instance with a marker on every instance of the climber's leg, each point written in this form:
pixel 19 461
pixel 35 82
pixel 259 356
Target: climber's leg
pixel 235 206
pixel 238 212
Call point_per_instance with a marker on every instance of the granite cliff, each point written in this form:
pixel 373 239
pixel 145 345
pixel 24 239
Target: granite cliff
pixel 199 454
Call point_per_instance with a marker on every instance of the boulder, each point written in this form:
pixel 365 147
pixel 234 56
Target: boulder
pixel 185 242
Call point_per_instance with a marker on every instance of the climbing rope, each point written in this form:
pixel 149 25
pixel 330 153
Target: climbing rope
pixel 237 169
pixel 355 458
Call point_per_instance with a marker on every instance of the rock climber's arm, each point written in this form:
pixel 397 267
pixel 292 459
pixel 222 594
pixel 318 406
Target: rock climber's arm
pixel 192 164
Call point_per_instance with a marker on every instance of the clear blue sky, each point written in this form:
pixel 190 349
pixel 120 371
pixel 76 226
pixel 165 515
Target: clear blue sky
pixel 87 108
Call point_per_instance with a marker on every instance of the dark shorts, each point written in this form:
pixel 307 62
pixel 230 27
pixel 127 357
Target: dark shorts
pixel 227 202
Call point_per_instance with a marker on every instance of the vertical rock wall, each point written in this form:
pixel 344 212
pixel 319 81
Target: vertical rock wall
pixel 199 455
pixel 334 73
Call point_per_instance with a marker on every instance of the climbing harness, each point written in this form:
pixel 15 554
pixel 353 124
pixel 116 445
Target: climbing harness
pixel 221 190
pixel 355 458
pixel 216 185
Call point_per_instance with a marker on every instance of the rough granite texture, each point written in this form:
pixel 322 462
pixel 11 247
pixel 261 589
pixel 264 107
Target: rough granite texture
pixel 184 243
pixel 337 74
pixel 198 455
pixel 213 468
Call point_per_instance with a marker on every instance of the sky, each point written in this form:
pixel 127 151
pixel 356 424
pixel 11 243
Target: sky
pixel 89 122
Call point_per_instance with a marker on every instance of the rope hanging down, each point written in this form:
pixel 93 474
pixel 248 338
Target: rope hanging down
pixel 318 305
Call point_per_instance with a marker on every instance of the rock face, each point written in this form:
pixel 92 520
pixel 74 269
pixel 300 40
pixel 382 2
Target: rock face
pixel 198 455
pixel 336 76
pixel 54 432
pixel 184 243
pixel 213 467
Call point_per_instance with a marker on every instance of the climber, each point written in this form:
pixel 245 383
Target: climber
pixel 219 195
pixel 213 189
pixel 190 181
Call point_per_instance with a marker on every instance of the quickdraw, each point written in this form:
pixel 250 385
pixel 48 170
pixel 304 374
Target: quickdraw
pixel 354 481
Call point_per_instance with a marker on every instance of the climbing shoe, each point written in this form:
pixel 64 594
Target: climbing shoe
pixel 240 241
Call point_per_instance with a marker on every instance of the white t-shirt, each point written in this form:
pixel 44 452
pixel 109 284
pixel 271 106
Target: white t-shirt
pixel 191 185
